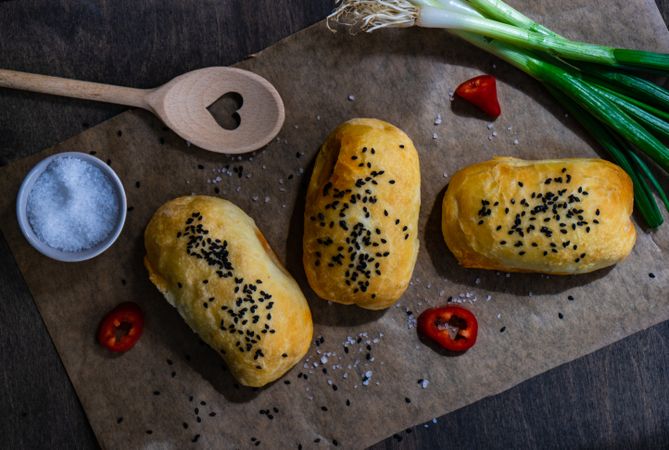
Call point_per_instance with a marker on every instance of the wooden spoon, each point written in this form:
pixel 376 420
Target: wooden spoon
pixel 182 103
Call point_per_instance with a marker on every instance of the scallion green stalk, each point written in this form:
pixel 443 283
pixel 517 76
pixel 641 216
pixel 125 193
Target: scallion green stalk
pixel 653 123
pixel 642 194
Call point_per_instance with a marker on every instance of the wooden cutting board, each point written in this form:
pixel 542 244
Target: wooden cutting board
pixel 171 389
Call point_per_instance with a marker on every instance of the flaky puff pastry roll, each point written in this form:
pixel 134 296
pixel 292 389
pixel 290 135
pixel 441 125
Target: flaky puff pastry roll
pixel 361 215
pixel 213 264
pixel 563 216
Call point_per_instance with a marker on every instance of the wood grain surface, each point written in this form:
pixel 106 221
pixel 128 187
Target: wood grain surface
pixel 613 398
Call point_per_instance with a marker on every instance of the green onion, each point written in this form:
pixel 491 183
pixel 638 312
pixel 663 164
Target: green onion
pixel 648 120
pixel 646 171
pixel 620 110
pixel 641 89
pixel 371 15
pixel 642 193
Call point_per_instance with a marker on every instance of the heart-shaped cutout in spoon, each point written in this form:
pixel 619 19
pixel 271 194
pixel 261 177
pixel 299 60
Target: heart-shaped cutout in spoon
pixel 183 104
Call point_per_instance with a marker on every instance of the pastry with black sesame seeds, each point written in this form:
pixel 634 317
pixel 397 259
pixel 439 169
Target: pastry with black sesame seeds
pixel 214 265
pixel 561 217
pixel 361 217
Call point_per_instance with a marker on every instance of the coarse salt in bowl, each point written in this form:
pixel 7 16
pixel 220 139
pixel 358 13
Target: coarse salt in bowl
pixel 71 206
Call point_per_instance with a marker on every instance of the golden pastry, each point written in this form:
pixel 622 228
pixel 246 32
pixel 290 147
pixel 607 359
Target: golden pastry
pixel 562 216
pixel 361 216
pixel 213 264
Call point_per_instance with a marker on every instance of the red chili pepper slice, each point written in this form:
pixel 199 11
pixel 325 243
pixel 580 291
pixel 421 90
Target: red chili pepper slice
pixel 482 92
pixel 452 327
pixel 121 328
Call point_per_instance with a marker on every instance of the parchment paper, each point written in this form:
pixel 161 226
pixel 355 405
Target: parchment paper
pixel 528 324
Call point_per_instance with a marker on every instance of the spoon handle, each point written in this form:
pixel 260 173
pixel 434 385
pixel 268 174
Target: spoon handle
pixel 74 88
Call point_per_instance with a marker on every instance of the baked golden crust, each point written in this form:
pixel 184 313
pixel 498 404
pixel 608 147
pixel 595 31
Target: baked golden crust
pixel 361 216
pixel 563 216
pixel 213 264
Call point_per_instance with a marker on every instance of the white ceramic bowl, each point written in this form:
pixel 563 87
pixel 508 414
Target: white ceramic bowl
pixel 60 255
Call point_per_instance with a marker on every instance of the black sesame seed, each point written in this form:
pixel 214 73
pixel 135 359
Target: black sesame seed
pixel 156 392
pixel 324 408
pixel 195 438
pixel 651 275
pixel 407 400
pixel 560 315
pixel 391 181
pixel 502 330
pixel 149 431
pixel 119 420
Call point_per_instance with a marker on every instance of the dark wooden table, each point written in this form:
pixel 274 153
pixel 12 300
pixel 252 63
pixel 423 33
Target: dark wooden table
pixel 615 398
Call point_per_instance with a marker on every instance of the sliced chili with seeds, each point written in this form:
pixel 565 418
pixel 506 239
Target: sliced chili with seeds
pixel 121 328
pixel 452 327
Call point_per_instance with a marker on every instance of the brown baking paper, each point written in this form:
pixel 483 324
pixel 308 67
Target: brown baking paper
pixel 170 379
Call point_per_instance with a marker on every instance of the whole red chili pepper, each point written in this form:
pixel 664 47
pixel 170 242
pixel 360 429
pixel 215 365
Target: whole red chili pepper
pixel 452 327
pixel 482 92
pixel 121 328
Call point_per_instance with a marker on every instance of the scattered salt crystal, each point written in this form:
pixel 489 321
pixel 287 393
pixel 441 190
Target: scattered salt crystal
pixel 424 383
pixel 437 120
pixel 318 117
pixel 411 321
pixel 254 198
pixel 494 133
pixel 324 359
pixel 445 175
pixel 267 199
pixel 351 98
pixel 515 142
pixel 72 205
pixel 434 136
pixel 490 126
pixel 477 281
pixel 367 377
